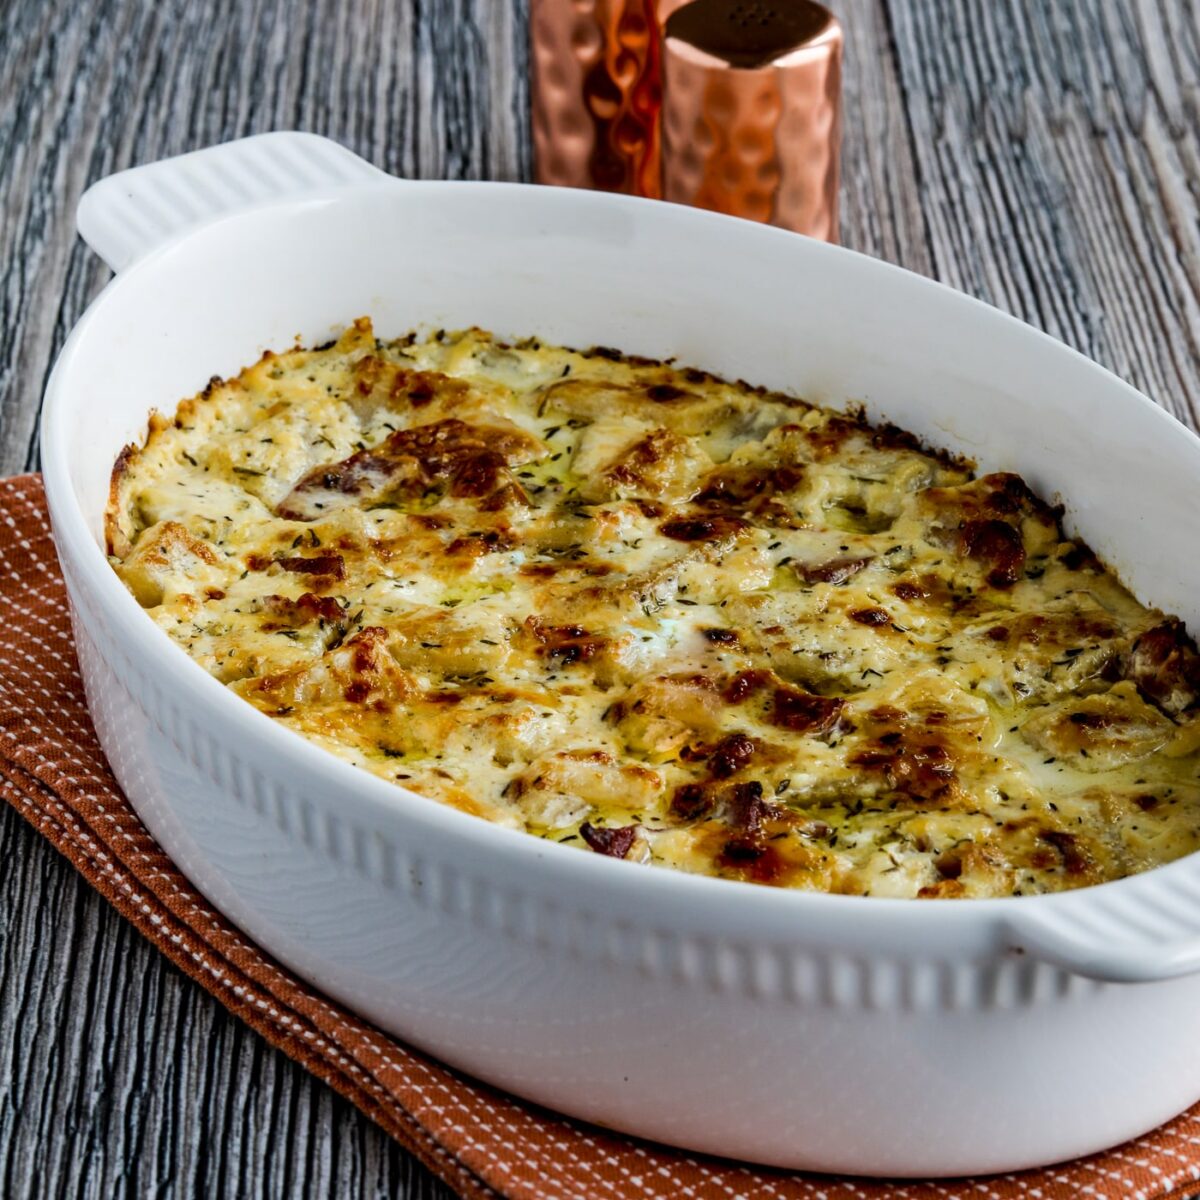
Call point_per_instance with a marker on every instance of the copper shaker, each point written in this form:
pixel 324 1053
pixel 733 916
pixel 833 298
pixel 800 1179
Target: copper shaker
pixel 597 92
pixel 732 105
pixel 751 111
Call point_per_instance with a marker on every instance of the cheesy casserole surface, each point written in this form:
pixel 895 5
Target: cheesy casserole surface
pixel 666 618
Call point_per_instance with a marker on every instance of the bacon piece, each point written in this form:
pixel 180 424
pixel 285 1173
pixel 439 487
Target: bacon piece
pixel 998 544
pixel 987 519
pixel 744 815
pixel 1165 666
pixel 663 393
pixel 1075 857
pixel 909 591
pixel 1010 495
pixel 615 842
pixel 837 572
pixel 747 808
pixel 641 458
pixel 744 684
pixel 662 464
pixel 732 754
pixel 467 460
pixel 692 800
pixel 871 616
pixel 567 643
pixel 803 712
pixel 477 544
pixel 323 608
pixel 331 566
pixel 701 529
pixel 308 607
pixel 421 387
pixel 744 485
pixel 912 762
pixel 747 813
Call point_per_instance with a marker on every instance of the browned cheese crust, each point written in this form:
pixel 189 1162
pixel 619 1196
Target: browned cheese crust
pixel 664 617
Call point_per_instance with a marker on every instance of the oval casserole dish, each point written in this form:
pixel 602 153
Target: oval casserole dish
pixel 832 1033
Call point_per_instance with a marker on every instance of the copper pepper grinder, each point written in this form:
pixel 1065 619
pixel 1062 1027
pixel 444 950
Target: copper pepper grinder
pixel 726 104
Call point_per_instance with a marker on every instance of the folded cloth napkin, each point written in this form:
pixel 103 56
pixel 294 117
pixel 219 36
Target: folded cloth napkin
pixel 482 1142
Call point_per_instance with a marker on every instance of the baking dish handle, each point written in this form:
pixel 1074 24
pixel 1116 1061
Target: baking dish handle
pixel 1154 938
pixel 128 214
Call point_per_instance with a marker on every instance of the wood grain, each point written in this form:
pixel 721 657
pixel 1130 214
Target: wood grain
pixel 1041 154
pixel 1057 151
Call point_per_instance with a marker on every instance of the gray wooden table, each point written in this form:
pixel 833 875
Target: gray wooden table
pixel 1041 154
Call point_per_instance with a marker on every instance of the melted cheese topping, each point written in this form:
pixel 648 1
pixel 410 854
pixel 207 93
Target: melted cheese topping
pixel 665 617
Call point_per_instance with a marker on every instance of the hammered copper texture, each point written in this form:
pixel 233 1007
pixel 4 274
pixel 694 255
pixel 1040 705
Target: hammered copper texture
pixel 761 143
pixel 596 93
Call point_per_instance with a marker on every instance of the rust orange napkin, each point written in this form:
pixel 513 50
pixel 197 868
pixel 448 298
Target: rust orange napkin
pixel 482 1142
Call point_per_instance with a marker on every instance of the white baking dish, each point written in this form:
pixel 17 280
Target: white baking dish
pixel 834 1033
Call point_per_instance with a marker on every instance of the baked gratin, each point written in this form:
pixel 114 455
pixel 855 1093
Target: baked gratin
pixel 664 617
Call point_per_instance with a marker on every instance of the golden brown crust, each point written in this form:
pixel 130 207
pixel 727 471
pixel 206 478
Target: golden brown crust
pixel 115 540
pixel 666 618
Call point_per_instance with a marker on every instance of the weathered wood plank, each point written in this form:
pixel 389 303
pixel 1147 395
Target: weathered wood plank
pixel 1058 146
pixel 881 196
